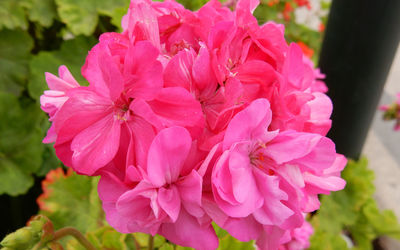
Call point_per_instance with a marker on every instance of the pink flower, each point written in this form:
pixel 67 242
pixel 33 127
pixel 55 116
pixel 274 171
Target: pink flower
pixel 167 200
pixel 194 117
pixel 193 72
pixel 300 237
pixel 52 100
pixel 125 93
pixel 296 239
pixel 270 177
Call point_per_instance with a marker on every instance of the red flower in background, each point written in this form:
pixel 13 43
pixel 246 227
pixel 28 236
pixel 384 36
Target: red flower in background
pixel 303 3
pixel 306 50
pixel 287 10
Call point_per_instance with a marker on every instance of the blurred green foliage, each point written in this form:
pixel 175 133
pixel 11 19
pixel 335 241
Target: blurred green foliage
pixel 352 213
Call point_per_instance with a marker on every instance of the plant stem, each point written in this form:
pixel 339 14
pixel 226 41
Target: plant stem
pixel 37 246
pixel 137 245
pixel 151 242
pixel 75 233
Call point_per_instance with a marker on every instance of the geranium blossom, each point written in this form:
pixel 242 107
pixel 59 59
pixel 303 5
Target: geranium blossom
pixel 195 117
pixel 167 199
pixel 266 177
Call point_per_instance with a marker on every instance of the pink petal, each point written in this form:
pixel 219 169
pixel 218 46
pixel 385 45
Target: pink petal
pixel 96 146
pixel 234 186
pixel 141 108
pixel 291 145
pixel 243 229
pixel 331 183
pixel 249 123
pixel 244 11
pixel 177 107
pixel 292 174
pixel 142 71
pixel 243 182
pixel 202 72
pixel 64 83
pixel 250 4
pixel 110 188
pixel 51 135
pixel 103 74
pixel 178 72
pixel 143 134
pixel 143 24
pixel 111 75
pixel 222 181
pixel 337 166
pixel 169 201
pixel 270 238
pixel 321 157
pixel 52 101
pixel 190 188
pixel 167 155
pixel 293 68
pixel 83 108
pixel 273 212
pixel 187 232
pixel 256 71
pixel 140 206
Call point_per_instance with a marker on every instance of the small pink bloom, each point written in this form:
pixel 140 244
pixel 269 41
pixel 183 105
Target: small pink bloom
pixel 125 92
pixel 299 238
pixel 269 175
pixel 295 239
pixel 166 201
pixel 52 100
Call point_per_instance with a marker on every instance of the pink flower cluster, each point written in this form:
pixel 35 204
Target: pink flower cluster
pixel 392 112
pixel 194 117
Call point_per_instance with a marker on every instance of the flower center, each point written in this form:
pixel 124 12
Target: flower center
pixel 121 108
pixel 260 160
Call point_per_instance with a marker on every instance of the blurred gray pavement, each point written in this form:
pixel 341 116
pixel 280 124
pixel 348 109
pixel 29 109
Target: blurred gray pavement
pixel 382 148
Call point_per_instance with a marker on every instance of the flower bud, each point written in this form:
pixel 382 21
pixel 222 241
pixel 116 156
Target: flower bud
pixel 20 239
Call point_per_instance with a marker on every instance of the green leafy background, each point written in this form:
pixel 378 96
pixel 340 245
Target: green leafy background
pixel 38 36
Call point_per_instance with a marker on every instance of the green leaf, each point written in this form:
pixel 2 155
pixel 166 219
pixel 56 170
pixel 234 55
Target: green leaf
pixel 354 211
pixel 21 143
pixel 192 4
pixel 107 7
pixel 12 15
pixel 13 180
pixel 167 246
pixel 327 241
pixel 50 160
pixel 71 200
pixel 15 46
pixel 116 16
pixel 227 242
pixel 81 17
pixel 383 223
pixel 105 238
pixel 42 11
pixel 72 54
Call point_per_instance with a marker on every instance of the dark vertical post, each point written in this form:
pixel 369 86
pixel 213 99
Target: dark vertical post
pixel 359 46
